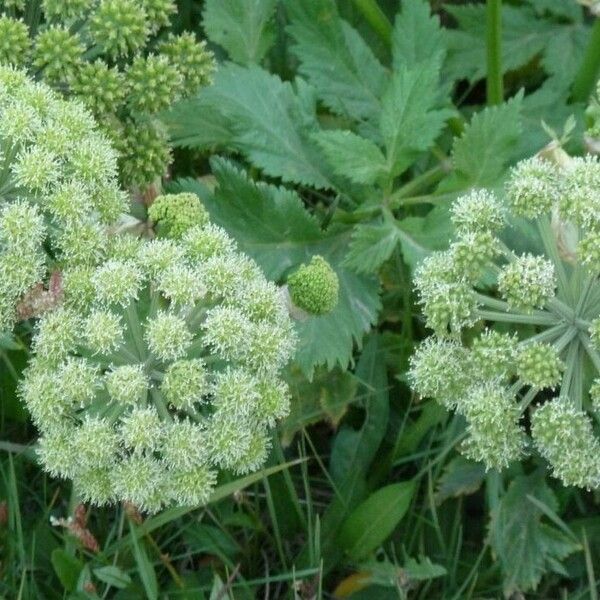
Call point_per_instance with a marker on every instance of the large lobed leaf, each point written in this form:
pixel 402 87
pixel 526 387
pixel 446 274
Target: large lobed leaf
pixel 271 224
pixel 244 28
pixel 525 546
pixel 335 59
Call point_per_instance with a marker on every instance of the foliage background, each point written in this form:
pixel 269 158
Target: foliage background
pixel 343 129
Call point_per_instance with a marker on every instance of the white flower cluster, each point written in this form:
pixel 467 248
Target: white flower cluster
pixel 58 186
pixel 161 367
pixel 550 296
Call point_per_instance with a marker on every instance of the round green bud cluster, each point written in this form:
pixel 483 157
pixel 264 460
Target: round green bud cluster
pixel 15 43
pixel 59 186
pixel 508 327
pixel 166 373
pixel 495 436
pixel 564 436
pixel 177 213
pixel 116 58
pixel 528 282
pixel 592 114
pixel 314 287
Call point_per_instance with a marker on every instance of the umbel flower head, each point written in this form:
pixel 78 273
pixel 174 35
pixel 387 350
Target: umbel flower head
pixel 114 57
pixel 549 295
pixel 161 368
pixel 58 186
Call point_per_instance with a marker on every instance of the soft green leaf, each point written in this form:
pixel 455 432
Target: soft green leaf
pixel 263 117
pixel 66 567
pixel 419 236
pixel 411 119
pixel 243 27
pixel 352 156
pixel 112 575
pixel 335 59
pixel 460 478
pixel 526 547
pixel 198 123
pixel 271 225
pixel 144 566
pixel 374 520
pixel 487 144
pixel 371 246
pixel 417 36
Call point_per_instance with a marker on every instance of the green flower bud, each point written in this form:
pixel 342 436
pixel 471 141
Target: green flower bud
pixel 185 383
pixel 564 437
pixel 314 287
pixel 77 381
pixel 140 479
pixel 224 275
pixel 117 282
pixel 177 213
pixel 495 436
pixel 255 455
pixel 439 369
pixel 528 282
pixel 473 252
pixel 153 82
pixel 141 429
pixel 57 53
pixel 78 288
pixel 193 487
pixel 227 439
pixel 184 446
pixel 14 41
pixel 167 336
pixel 236 393
pixel 273 401
pixel 57 335
pixel 191 58
pixel 579 201
pixel 144 152
pixel 95 486
pixel 181 285
pixel 157 256
pixel 493 355
pixel 539 365
pixel 210 241
pixel 95 444
pixel 127 384
pixel 66 9
pixel 533 187
pixel 478 211
pixel 159 12
pixel 57 453
pixel 227 330
pixel 120 27
pixel 103 332
pixel 81 244
pixel 588 249
pixel 100 87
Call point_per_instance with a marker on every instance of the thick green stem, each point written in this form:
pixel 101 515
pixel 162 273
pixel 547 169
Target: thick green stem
pixel 494 84
pixel 588 72
pixel 376 19
pixel 490 315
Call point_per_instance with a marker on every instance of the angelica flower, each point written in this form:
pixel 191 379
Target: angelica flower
pixel 177 213
pixel 547 305
pixel 131 71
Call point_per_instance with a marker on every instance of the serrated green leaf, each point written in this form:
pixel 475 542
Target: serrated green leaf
pixel 411 119
pixel 371 246
pixel 461 477
pixel 526 547
pixel 374 520
pixel 243 27
pixel 351 156
pixel 66 567
pixel 263 117
pixel 486 145
pixel 417 36
pixel 112 575
pixel 523 37
pixel 271 224
pixel 335 59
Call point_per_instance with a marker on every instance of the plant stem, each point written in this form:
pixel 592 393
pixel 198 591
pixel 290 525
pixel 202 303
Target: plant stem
pixel 376 18
pixel 494 84
pixel 588 72
pixel 490 315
